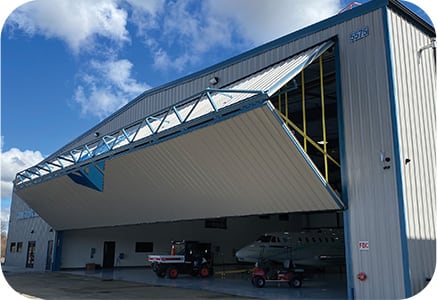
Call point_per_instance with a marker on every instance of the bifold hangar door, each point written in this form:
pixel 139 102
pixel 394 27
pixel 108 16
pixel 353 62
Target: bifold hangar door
pixel 243 162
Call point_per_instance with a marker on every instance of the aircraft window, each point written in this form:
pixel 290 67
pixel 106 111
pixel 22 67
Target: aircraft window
pixel 300 239
pixel 307 240
pixel 264 239
pixel 332 239
pixel 314 240
pixel 320 240
pixel 326 240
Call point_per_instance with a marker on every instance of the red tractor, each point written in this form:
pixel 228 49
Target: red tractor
pixel 186 257
pixel 268 272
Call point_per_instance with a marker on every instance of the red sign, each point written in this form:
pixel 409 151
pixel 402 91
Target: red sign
pixel 363 245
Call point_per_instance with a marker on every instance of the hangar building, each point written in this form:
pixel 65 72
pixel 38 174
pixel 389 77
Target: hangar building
pixel 331 126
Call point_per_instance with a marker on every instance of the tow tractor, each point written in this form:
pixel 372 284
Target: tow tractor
pixel 270 272
pixel 186 257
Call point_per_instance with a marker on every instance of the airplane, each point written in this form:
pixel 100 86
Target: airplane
pixel 315 248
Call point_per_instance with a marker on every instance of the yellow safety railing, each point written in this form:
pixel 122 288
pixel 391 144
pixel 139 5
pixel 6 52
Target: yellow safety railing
pixel 303 132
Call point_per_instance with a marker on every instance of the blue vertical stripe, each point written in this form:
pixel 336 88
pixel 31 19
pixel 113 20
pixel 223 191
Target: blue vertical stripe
pixel 343 172
pixel 397 155
pixel 58 251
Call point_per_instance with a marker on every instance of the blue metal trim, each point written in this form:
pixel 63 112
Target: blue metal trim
pixel 59 240
pixel 348 253
pixel 397 155
pixel 343 172
pixel 178 115
pixel 214 106
pixel 91 176
pixel 304 155
pixel 126 135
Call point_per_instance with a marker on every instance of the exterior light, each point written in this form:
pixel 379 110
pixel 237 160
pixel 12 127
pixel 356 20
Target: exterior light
pixel 214 80
pixel 96 134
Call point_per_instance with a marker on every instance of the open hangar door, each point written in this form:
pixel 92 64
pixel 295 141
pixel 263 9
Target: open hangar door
pixel 276 155
pixel 307 105
pixel 266 144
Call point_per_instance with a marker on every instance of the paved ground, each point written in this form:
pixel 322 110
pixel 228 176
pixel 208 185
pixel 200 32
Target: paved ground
pixel 142 283
pixel 68 286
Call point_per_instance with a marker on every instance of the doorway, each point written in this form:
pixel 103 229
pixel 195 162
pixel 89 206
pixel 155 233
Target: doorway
pixel 49 255
pixel 30 259
pixel 108 255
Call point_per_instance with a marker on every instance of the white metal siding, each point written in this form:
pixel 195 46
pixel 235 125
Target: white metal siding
pixel 371 189
pixel 20 230
pixel 416 110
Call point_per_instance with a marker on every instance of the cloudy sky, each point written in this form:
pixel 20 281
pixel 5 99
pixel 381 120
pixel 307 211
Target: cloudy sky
pixel 68 64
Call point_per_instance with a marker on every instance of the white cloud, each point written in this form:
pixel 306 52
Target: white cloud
pixel 259 21
pixel 196 28
pixel 106 86
pixel 77 22
pixel 13 161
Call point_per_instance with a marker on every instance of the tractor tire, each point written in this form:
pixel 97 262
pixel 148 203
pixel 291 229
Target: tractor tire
pixel 172 272
pixel 295 282
pixel 259 282
pixel 204 272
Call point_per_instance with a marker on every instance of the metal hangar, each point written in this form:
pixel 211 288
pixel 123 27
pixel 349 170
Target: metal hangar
pixel 329 126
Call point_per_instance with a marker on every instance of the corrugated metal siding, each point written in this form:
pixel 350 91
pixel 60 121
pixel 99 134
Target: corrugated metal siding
pixel 371 189
pixel 20 231
pixel 416 109
pixel 227 75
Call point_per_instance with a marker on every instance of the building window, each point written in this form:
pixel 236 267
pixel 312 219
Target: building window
pixel 143 247
pixel 220 223
pixel 13 247
pixel 19 247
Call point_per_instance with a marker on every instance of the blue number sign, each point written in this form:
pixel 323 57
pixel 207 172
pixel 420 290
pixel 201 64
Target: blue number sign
pixel 359 34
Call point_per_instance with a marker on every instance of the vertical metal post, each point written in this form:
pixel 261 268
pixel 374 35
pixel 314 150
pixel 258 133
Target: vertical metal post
pixel 286 104
pixel 322 96
pixel 304 114
pixel 279 102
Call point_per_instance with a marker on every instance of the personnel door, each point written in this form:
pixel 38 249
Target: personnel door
pixel 108 255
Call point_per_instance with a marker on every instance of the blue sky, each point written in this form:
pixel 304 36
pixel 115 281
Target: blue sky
pixel 68 64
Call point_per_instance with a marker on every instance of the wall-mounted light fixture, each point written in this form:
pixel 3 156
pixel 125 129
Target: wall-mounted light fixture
pixel 96 134
pixel 214 80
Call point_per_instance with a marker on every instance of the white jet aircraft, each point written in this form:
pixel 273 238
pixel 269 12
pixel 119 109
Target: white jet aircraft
pixel 315 248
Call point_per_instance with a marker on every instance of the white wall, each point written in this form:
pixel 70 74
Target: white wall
pixel 240 231
pixel 21 226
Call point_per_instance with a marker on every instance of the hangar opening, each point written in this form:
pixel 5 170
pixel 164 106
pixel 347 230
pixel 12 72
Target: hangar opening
pixel 307 104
